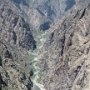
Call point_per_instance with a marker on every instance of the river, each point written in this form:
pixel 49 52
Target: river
pixel 41 38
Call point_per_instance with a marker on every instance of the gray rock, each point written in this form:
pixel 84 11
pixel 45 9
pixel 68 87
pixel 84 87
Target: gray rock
pixel 42 11
pixel 65 57
pixel 14 27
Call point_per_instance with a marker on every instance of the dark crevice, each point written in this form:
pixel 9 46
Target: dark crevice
pixel 0 61
pixel 8 54
pixel 14 37
pixel 82 14
pixel 45 26
pixel 2 82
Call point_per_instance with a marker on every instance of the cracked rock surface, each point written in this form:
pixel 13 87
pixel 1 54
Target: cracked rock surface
pixel 66 53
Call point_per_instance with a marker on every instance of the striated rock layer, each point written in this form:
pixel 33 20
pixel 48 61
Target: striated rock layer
pixel 13 68
pixel 66 53
pixel 14 27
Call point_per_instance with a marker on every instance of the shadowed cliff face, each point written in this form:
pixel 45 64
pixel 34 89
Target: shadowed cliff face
pixel 66 54
pixel 69 4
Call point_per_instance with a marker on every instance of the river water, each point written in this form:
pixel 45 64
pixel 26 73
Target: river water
pixel 35 61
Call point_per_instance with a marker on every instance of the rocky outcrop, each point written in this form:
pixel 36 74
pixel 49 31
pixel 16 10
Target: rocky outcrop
pixel 66 54
pixel 13 75
pixel 14 28
pixel 40 12
pixel 16 39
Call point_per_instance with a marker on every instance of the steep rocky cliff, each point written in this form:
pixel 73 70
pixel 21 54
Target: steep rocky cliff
pixel 42 13
pixel 14 27
pixel 16 39
pixel 66 53
pixel 13 64
pixel 64 58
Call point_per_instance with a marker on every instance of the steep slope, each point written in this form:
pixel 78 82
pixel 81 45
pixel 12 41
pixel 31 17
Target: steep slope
pixel 65 56
pixel 13 66
pixel 66 53
pixel 16 49
pixel 15 40
pixel 14 27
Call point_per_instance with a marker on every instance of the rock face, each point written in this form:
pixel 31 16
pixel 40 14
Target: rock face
pixel 12 68
pixel 41 12
pixel 66 54
pixel 16 39
pixel 14 27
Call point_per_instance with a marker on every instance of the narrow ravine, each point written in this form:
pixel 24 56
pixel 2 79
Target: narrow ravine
pixel 41 38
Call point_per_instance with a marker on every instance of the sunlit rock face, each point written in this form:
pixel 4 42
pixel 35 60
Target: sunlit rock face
pixel 82 2
pixel 66 54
